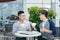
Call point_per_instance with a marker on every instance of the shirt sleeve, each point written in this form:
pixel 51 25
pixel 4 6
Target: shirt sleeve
pixel 40 25
pixel 14 29
pixel 29 26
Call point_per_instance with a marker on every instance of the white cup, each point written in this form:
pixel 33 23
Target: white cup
pixel 33 25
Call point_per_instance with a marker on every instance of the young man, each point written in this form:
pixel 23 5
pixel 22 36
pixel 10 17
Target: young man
pixel 47 27
pixel 21 25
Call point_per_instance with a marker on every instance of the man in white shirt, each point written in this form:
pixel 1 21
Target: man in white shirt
pixel 21 25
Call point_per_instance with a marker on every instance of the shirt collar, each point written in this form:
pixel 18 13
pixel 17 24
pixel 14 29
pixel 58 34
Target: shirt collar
pixel 19 22
pixel 45 21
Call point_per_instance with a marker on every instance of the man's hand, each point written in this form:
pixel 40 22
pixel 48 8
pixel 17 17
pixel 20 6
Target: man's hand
pixel 27 29
pixel 18 26
pixel 44 30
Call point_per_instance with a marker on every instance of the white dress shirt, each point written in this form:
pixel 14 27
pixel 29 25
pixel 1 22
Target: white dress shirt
pixel 21 26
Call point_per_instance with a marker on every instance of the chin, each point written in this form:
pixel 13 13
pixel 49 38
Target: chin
pixel 41 19
pixel 22 20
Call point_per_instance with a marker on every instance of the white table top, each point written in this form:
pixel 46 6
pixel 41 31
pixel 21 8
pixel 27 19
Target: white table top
pixel 27 34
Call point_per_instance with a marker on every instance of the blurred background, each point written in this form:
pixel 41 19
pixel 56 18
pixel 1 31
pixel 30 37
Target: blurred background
pixel 10 8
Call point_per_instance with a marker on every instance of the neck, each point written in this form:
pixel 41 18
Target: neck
pixel 21 21
pixel 44 19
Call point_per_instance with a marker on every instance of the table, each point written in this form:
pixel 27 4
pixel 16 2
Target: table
pixel 27 34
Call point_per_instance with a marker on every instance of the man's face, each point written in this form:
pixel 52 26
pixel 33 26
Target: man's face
pixel 22 16
pixel 41 16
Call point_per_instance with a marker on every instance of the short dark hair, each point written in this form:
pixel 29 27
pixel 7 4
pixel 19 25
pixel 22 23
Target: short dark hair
pixel 45 12
pixel 20 12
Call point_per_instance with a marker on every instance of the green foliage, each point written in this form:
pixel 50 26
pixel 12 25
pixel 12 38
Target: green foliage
pixel 34 14
pixel 51 14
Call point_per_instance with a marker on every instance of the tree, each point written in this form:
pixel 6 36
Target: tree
pixel 34 14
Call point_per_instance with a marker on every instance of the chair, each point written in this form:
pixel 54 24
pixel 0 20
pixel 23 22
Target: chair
pixel 8 31
pixel 57 37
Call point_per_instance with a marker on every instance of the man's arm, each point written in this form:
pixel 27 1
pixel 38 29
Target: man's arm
pixel 14 29
pixel 44 30
pixel 28 27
